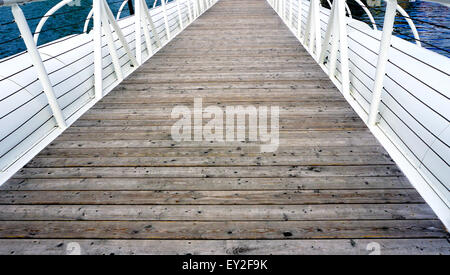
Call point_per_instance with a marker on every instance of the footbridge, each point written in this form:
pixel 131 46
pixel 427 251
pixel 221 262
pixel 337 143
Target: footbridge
pixel 90 162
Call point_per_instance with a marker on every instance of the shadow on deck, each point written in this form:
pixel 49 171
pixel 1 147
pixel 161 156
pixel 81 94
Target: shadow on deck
pixel 116 182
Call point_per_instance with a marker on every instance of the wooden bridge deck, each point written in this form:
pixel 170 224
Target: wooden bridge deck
pixel 116 182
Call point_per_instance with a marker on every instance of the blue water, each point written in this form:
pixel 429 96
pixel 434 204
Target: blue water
pixel 70 20
pixel 432 21
pixel 67 20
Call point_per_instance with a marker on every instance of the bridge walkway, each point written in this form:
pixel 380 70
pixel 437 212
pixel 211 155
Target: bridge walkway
pixel 116 181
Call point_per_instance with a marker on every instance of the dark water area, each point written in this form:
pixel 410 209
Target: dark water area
pixel 431 19
pixel 66 21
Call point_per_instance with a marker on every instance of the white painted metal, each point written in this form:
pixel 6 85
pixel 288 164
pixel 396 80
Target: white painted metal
pixel 33 52
pixel 299 18
pixel 180 19
pixel 383 55
pixel 343 46
pixel 347 8
pixel 88 18
pixel 83 70
pixel 47 16
pixel 316 28
pixel 138 28
pixel 367 11
pixel 422 87
pixel 188 5
pixel 111 44
pixel 98 60
pixel 143 16
pixel 119 33
pixel 119 12
pixel 411 24
pixel 290 13
pixel 149 20
pixel 166 22
pixel 415 82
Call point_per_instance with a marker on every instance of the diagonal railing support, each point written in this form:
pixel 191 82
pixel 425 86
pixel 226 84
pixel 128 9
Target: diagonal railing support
pixel 299 18
pixel 142 20
pixel 385 44
pixel 336 35
pixel 38 64
pixel 312 36
pixel 166 21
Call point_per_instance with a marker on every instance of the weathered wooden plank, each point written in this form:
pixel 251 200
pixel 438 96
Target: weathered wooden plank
pixel 116 173
pixel 165 134
pixel 205 172
pixel 279 84
pixel 143 143
pixel 191 184
pixel 331 108
pixel 223 230
pixel 226 247
pixel 160 197
pixel 216 212
pixel 165 99
pixel 207 161
pixel 303 123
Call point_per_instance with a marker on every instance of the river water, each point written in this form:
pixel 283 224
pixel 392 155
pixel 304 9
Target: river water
pixel 432 21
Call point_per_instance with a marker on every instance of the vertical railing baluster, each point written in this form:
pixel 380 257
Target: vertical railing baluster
pixel 166 21
pixel 98 60
pixel 137 31
pixel 385 44
pixel 316 30
pixel 343 47
pixel 111 45
pixel 144 11
pixel 290 13
pixel 299 18
pixel 188 4
pixel 179 14
pixel 36 59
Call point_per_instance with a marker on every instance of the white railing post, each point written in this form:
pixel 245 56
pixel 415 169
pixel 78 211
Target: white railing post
pixel 137 25
pixel 343 47
pixel 202 8
pixel 385 44
pixel 317 32
pixel 98 60
pixel 312 36
pixel 119 33
pixel 336 33
pixel 148 42
pixel 188 4
pixel 111 45
pixel 308 25
pixel 299 18
pixel 335 41
pixel 331 30
pixel 152 25
pixel 290 13
pixel 166 21
pixel 179 14
pixel 38 64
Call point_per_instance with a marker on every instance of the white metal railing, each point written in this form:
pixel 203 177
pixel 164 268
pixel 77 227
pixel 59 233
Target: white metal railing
pixel 400 90
pixel 47 87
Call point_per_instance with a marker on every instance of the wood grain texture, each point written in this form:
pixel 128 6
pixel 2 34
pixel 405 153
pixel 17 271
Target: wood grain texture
pixel 117 183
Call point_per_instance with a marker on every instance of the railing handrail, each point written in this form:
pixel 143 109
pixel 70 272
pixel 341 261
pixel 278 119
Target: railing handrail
pixel 72 75
pixel 332 49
